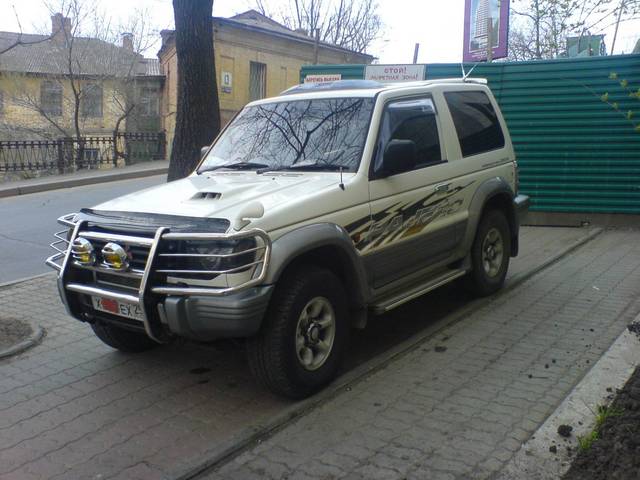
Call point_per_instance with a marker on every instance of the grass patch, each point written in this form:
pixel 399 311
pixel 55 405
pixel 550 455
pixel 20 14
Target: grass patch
pixel 585 441
pixel 603 412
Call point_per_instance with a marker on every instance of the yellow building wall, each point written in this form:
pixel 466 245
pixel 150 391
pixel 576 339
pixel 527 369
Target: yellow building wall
pixel 21 94
pixel 169 63
pixel 235 48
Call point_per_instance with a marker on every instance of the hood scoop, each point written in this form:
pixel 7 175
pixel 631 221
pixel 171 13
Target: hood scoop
pixel 206 196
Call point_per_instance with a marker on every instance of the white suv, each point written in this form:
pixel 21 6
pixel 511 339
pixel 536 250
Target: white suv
pixel 309 212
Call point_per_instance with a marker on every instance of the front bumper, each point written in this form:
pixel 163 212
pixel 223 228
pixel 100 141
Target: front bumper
pixel 521 204
pixel 195 311
pixel 519 211
pixel 208 318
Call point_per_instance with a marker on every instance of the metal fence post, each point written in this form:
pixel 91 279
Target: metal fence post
pixel 162 145
pixel 114 139
pixel 60 156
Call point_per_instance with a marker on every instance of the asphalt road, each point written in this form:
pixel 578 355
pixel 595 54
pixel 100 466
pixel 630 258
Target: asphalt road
pixel 27 222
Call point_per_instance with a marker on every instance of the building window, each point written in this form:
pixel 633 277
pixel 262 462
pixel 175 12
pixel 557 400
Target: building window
pixel 148 106
pixel 91 155
pixel 51 98
pixel 91 105
pixel 257 81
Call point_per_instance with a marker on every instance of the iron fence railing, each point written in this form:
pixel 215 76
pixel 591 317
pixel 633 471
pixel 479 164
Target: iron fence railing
pixel 69 154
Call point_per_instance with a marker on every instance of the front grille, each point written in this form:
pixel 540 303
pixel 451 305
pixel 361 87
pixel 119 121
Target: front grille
pixel 109 279
pixel 139 256
pixel 184 263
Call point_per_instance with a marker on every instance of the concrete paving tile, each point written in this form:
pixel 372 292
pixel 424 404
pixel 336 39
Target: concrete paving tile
pixel 80 395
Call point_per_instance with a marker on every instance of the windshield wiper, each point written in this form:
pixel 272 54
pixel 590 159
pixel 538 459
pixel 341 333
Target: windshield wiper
pixel 236 166
pixel 308 166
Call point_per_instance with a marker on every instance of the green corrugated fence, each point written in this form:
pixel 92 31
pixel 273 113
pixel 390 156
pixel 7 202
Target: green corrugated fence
pixel 576 153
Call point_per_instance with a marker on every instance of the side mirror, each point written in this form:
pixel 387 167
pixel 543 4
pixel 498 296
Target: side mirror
pixel 399 156
pixel 203 150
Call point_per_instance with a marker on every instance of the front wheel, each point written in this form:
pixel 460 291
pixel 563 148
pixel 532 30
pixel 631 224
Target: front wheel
pixel 490 254
pixel 304 336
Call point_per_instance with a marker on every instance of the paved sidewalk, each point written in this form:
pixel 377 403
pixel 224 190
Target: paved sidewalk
pixel 461 405
pixel 84 177
pixel 72 408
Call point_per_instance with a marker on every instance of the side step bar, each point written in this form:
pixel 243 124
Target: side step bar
pixel 396 299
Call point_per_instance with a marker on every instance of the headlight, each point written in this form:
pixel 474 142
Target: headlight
pixel 209 256
pixel 222 255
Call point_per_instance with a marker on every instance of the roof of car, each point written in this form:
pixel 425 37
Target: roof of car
pixel 359 88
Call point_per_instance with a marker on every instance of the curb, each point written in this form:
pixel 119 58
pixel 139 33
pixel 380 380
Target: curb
pixel 534 460
pixel 78 182
pixel 34 339
pixel 25 279
pixel 254 435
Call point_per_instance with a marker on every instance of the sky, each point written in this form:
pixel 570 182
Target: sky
pixel 437 25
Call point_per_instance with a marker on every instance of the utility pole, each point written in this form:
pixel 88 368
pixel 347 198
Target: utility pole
pixel 415 53
pixel 316 45
pixel 489 40
pixel 615 34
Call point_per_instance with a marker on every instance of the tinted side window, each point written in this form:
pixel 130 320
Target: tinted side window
pixel 476 122
pixel 411 120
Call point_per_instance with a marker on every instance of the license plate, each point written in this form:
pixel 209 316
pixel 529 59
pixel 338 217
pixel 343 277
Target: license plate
pixel 116 307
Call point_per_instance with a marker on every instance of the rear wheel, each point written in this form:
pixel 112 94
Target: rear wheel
pixel 123 340
pixel 490 254
pixel 304 336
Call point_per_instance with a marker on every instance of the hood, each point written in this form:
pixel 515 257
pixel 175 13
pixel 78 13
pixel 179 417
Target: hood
pixel 222 194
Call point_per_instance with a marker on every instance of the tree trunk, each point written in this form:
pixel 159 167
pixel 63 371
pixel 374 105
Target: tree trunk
pixel 198 113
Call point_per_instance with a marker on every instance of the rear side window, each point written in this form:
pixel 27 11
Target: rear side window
pixel 476 122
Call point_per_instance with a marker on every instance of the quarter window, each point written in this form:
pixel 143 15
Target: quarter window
pixel 51 98
pixel 411 120
pixel 476 122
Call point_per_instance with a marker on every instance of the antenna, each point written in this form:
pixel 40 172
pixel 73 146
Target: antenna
pixel 466 75
pixel 341 185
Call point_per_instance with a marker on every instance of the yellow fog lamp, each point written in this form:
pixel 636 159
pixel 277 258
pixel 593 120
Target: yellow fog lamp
pixel 115 257
pixel 82 252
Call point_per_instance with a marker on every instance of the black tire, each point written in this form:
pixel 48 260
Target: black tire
pixel 274 354
pixel 123 340
pixel 483 281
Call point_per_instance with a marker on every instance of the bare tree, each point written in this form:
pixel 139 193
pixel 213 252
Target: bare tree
pixel 21 40
pixel 352 24
pixel 540 27
pixel 198 110
pixel 86 67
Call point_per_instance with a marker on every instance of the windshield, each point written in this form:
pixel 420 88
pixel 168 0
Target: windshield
pixel 320 134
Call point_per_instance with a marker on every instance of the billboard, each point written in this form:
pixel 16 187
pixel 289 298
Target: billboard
pixel 476 29
pixel 323 78
pixel 394 73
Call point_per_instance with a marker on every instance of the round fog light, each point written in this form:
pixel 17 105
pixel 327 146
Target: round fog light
pixel 115 257
pixel 82 252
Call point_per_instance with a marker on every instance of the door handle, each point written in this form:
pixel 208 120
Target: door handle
pixel 443 187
